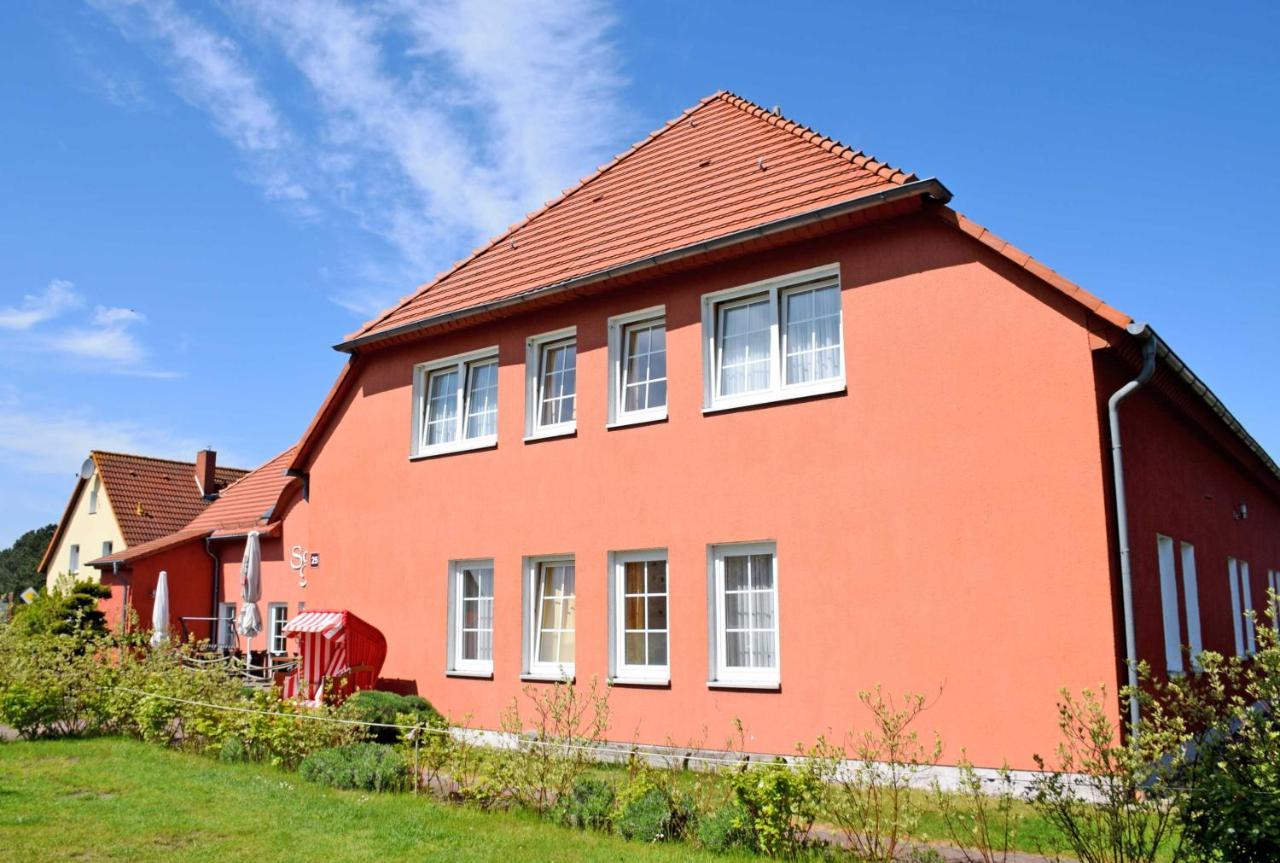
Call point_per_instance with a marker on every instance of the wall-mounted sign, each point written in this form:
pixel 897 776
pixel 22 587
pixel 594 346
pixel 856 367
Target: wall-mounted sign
pixel 298 563
pixel 315 558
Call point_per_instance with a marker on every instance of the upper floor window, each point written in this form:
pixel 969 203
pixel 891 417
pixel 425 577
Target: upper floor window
pixel 107 545
pixel 638 367
pixel 744 614
pixel 1241 604
pixel 551 372
pixel 456 403
pixel 1273 598
pixel 93 496
pixel 73 565
pixel 772 340
pixel 471 617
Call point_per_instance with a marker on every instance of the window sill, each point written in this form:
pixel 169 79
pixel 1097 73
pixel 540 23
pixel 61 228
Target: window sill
pixel 553 432
pixel 450 449
pixel 659 682
pixel 758 685
pixel 545 677
pixel 638 420
pixel 465 672
pixel 770 396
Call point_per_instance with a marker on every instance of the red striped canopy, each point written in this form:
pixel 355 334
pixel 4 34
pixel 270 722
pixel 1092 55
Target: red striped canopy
pixel 338 653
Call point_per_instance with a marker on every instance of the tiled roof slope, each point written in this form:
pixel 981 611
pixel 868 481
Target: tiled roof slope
pixel 153 497
pixel 724 165
pixel 248 502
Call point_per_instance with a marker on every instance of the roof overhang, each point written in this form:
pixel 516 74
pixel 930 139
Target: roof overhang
pixel 930 188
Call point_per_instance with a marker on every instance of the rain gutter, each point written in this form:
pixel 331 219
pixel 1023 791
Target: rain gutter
pixel 931 188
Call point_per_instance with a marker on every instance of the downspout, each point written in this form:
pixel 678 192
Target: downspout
pixel 216 566
pixel 1149 344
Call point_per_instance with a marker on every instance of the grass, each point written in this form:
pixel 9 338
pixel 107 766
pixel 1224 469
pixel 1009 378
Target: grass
pixel 111 799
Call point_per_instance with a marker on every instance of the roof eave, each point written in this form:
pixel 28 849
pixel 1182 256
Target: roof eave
pixel 930 187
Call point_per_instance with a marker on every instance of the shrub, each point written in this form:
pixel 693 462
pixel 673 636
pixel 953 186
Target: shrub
pixel 871 800
pixel 232 751
pixel 71 608
pixel 647 811
pixel 372 705
pixel 982 822
pixel 567 723
pixel 727 829
pixel 589 806
pixel 780 803
pixel 50 684
pixel 357 766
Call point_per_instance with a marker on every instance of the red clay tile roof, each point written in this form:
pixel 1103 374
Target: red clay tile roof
pixel 154 497
pixel 251 501
pixel 722 166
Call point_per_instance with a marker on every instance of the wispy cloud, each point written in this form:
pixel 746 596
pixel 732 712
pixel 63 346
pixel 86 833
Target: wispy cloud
pixel 48 323
pixel 36 439
pixel 211 73
pixel 58 297
pixel 431 125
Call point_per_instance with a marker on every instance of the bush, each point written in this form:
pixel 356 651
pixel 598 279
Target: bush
pixel 388 708
pixel 589 806
pixel 357 766
pixel 71 608
pixel 727 829
pixel 780 803
pixel 982 822
pixel 647 811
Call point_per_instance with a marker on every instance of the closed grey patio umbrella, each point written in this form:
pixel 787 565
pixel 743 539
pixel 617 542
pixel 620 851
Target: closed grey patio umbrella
pixel 250 622
pixel 160 611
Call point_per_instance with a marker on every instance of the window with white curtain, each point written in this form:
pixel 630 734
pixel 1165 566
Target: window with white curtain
pixel 639 633
pixel 1169 605
pixel 551 375
pixel 277 616
pixel 744 625
pixel 777 339
pixel 471 617
pixel 638 367
pixel 456 403
pixel 549 617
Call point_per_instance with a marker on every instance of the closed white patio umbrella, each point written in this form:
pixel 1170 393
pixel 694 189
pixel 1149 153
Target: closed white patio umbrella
pixel 160 611
pixel 250 622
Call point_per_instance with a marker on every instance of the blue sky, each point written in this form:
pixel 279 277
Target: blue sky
pixel 197 200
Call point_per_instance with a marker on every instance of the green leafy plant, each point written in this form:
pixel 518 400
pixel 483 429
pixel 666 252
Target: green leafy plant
pixel 588 805
pixel 780 803
pixel 980 819
pixel 386 708
pixel 727 828
pixel 360 766
pixel 50 684
pixel 871 774
pixel 71 608
pixel 555 742
pixel 651 811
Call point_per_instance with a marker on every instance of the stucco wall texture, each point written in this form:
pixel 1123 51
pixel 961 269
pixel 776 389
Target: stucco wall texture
pixel 940 526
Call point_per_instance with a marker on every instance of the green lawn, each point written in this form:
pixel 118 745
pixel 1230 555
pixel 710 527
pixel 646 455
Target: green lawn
pixel 107 799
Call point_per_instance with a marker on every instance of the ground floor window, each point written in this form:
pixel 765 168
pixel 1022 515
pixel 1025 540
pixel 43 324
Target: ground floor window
pixel 550 616
pixel 744 614
pixel 471 616
pixel 226 633
pixel 277 616
pixel 639 635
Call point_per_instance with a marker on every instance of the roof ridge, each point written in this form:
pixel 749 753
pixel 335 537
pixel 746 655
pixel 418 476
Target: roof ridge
pixel 94 452
pixel 545 208
pixel 859 158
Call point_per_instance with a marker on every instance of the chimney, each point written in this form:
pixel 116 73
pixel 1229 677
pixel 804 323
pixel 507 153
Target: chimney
pixel 206 473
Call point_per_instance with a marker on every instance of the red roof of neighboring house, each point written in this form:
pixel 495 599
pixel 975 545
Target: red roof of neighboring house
pixel 150 497
pixel 247 504
pixel 724 165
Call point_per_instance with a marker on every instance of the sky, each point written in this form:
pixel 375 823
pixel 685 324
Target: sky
pixel 197 200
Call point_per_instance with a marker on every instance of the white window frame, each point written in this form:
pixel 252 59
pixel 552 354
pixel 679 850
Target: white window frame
pixel 422 372
pixel 1237 620
pixel 226 625
pixel 1191 596
pixel 93 496
pixel 619 670
pixel 618 327
pixel 275 628
pixel 1169 604
pixel 1250 634
pixel 457 665
pixel 720 675
pixel 107 547
pixel 1273 597
pixel 776 289
pixel 535 349
pixel 73 559
pixel 531 624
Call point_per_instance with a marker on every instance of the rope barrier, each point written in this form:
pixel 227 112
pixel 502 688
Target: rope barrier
pixel 596 749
